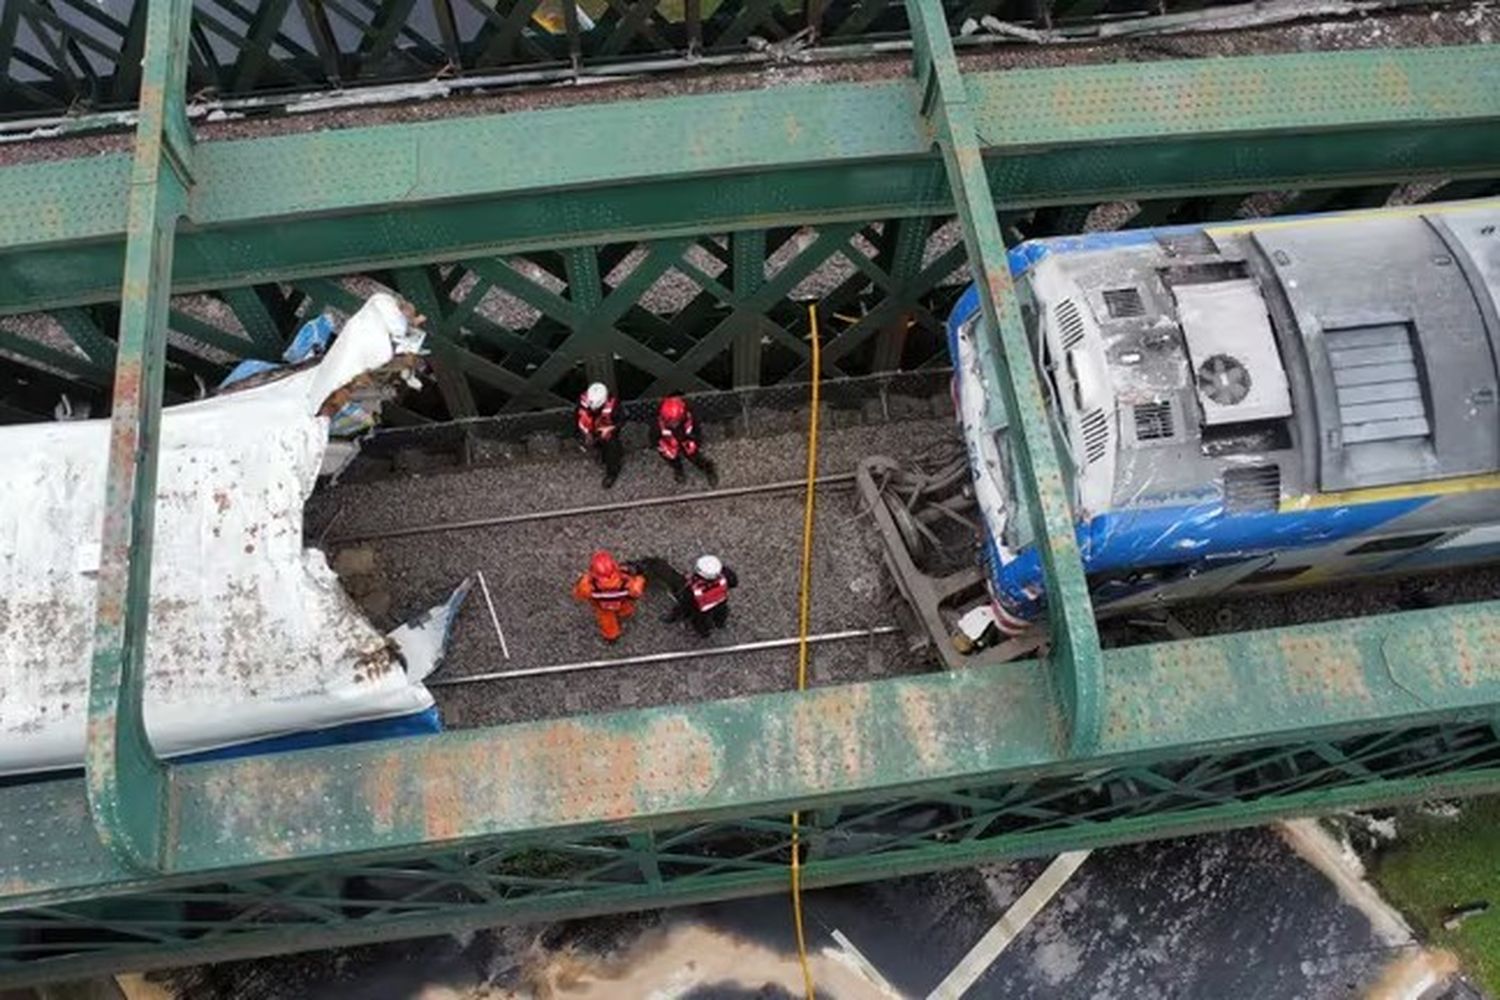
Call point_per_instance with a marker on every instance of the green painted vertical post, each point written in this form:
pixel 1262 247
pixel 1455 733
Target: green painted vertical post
pixel 321 31
pixel 586 291
pixel 748 273
pixel 127 784
pixel 906 243
pixel 255 316
pixel 259 38
pixel 10 19
pixel 1006 355
pixel 643 848
pixel 416 284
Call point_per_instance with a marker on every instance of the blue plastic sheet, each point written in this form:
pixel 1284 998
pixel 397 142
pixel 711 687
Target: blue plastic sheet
pixel 311 340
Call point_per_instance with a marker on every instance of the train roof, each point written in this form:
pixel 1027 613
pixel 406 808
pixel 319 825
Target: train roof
pixel 250 635
pixel 1277 359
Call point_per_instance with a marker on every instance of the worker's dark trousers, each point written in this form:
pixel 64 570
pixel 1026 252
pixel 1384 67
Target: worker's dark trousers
pixel 714 617
pixel 703 463
pixel 611 452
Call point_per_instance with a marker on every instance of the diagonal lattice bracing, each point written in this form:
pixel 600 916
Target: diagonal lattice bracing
pixel 522 332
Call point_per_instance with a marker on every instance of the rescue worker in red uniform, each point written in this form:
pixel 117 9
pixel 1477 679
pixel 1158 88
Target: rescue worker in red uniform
pixel 704 597
pixel 611 590
pixel 677 438
pixel 598 430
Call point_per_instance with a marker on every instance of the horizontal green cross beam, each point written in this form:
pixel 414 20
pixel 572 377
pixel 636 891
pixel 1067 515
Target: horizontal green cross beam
pixel 339 201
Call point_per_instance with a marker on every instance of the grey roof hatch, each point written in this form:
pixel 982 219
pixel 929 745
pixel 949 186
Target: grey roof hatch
pixel 1403 379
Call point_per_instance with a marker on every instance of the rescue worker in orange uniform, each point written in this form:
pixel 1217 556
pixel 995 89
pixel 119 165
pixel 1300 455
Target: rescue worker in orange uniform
pixel 677 438
pixel 597 428
pixel 704 597
pixel 611 590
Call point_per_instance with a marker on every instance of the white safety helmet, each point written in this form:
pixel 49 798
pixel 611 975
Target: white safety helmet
pixel 597 395
pixel 708 567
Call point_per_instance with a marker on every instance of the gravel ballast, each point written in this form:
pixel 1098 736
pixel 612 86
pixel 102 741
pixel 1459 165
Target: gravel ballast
pixel 531 567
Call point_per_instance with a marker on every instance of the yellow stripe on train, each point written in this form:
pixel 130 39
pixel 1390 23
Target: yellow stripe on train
pixel 1398 491
pixel 1323 218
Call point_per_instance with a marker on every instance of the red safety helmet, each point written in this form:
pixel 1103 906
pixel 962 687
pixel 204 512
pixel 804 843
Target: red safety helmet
pixel 603 566
pixel 673 409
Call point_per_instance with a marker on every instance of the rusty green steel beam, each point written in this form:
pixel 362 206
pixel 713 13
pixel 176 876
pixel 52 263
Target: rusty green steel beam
pixel 840 746
pixel 660 806
pixel 126 783
pixel 333 202
pixel 162 940
pixel 1005 355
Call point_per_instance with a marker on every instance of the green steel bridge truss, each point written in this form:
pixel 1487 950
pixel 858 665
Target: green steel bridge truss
pixel 67 56
pixel 140 862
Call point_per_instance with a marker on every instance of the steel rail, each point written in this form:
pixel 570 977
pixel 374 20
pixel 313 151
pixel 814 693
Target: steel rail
pixel 837 479
pixel 759 645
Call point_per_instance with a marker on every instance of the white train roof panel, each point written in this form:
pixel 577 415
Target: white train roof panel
pixel 250 634
pixel 1236 366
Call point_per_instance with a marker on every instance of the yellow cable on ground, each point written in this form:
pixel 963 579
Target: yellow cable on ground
pixel 804 617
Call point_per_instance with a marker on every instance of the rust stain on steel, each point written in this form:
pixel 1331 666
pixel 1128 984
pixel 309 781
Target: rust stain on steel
pixel 445 782
pixel 1181 685
pixel 281 810
pixel 1468 671
pixel 828 738
pixel 99 745
pixel 923 721
pixel 151 96
pixel 383 791
pixel 1206 96
pixel 1322 665
pixel 1066 106
pixel 1478 657
pixel 51 221
pixel 968 157
pixel 1393 83
pixel 568 771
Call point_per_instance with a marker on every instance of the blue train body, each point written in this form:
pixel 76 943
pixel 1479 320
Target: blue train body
pixel 1368 442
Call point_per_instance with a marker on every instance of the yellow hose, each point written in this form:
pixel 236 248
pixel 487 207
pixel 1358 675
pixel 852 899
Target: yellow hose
pixel 804 616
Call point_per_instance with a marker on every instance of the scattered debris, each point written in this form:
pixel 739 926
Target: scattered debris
pixel 1458 914
pixel 494 618
pixel 1445 809
pixel 1381 828
pixel 423 641
pixel 995 26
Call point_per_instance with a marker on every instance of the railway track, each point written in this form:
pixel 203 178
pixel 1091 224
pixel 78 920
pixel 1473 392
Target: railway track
pixel 521 524
pixel 711 652
pixel 842 480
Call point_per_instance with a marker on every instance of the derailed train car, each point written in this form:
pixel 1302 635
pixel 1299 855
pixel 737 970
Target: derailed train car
pixel 1253 405
pixel 252 644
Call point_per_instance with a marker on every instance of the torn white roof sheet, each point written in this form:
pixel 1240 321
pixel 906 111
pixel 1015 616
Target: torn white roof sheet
pixel 250 635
